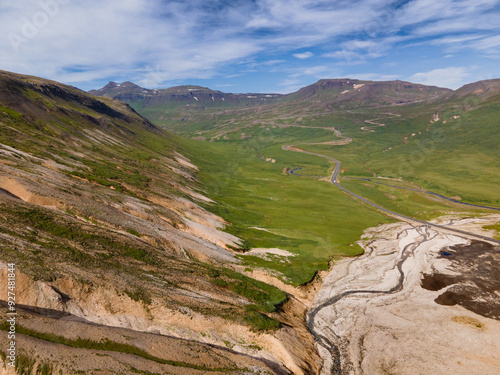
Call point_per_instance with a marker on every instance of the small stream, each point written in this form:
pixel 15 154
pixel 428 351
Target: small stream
pixel 407 252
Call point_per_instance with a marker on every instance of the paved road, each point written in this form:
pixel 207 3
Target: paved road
pixel 424 192
pixel 334 180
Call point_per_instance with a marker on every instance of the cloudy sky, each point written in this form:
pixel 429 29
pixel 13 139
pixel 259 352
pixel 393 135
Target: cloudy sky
pixel 251 45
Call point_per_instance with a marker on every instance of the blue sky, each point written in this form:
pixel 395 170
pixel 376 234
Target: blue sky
pixel 251 45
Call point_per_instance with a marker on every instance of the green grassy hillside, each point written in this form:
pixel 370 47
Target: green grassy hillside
pixel 420 137
pixel 91 191
pixel 311 219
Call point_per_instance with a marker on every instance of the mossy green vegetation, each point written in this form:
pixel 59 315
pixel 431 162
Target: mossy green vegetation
pixel 310 218
pixel 407 202
pixel 44 369
pixel 72 147
pixel 139 294
pixel 24 364
pixel 261 322
pixel 6 112
pixel 266 297
pixel 42 221
pixel 495 227
pixel 456 158
pixel 244 168
pixel 108 174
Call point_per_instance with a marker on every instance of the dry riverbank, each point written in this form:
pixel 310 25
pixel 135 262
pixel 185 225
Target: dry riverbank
pixel 403 330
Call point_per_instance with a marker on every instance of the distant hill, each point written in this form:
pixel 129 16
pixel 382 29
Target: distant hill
pixel 350 93
pixel 184 108
pixel 481 90
pixel 180 96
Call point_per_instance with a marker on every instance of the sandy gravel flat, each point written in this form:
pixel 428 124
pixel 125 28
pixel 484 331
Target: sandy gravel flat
pixel 405 332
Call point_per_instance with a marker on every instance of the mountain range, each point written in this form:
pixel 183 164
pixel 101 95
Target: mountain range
pixel 328 90
pixel 138 218
pixel 193 96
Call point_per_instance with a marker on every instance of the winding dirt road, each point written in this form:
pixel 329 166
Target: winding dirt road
pixel 375 123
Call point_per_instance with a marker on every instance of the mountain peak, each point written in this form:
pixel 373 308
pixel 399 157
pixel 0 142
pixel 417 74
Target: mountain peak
pixel 349 92
pixel 191 96
pixel 110 85
pixel 113 89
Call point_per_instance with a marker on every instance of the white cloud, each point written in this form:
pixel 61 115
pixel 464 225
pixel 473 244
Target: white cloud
pixel 425 11
pixel 454 24
pixel 373 77
pixel 272 62
pixel 308 22
pixel 268 63
pixel 157 41
pixel 289 85
pixel 82 41
pixel 290 82
pixel 488 43
pixel 260 23
pixel 344 55
pixel 300 77
pixel 452 77
pixel 455 40
pixel 304 55
pixel 153 41
pixel 315 70
pixel 358 51
pixel 460 24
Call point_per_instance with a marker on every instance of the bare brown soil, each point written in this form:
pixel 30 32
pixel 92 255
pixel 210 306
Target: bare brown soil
pixel 476 279
pixel 183 356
